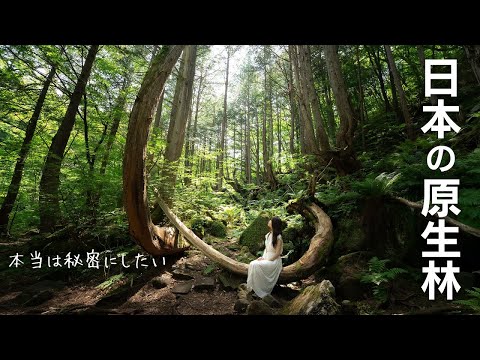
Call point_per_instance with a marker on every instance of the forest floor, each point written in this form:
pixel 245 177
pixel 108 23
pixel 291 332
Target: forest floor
pixel 178 288
pixel 188 285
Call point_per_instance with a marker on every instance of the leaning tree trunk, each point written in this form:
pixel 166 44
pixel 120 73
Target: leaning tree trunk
pixel 401 93
pixel 141 228
pixel 14 186
pixel 50 181
pixel 315 257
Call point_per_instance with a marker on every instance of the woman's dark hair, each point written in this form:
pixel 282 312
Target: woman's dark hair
pixel 276 229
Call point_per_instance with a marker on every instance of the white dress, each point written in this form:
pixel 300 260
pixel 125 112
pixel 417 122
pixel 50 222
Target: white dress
pixel 263 274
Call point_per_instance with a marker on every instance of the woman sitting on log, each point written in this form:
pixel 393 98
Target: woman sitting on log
pixel 263 273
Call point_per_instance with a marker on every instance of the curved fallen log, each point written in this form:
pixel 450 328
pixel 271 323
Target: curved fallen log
pixel 314 257
pixel 464 227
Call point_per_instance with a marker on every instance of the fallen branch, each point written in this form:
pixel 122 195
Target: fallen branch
pixel 466 228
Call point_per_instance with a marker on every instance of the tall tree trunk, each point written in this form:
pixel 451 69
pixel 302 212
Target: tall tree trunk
pixel 332 126
pixel 306 123
pixel 158 113
pixel 188 164
pixel 192 134
pixel 242 146
pixel 223 128
pixel 117 116
pixel 360 93
pixel 348 122
pixel 321 134
pixel 195 119
pixel 267 163
pixel 91 195
pixel 14 186
pixel 270 116
pixel 346 162
pixel 292 53
pixel 257 152
pixel 396 107
pixel 248 149
pixel 401 93
pixel 234 147
pixel 279 135
pixel 178 121
pixel 141 227
pixel 50 181
pixel 473 56
pixel 377 68
pixel 291 98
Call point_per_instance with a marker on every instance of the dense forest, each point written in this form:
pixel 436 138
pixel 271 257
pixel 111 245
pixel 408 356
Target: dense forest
pixel 166 163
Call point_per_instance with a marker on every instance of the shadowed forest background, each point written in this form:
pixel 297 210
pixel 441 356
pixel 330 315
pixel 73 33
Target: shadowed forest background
pixel 239 134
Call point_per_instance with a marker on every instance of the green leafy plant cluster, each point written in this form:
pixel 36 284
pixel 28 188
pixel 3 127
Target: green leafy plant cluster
pixel 474 299
pixel 381 277
pixel 377 186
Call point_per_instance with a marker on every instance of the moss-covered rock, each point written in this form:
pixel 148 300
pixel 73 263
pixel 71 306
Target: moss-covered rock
pixel 199 226
pixel 254 235
pixel 349 237
pixel 316 299
pixel 218 229
pixel 346 275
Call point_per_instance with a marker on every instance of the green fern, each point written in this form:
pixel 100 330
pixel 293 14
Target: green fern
pixel 376 187
pixel 474 301
pixel 381 277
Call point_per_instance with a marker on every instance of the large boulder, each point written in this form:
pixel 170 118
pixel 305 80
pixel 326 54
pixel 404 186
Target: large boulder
pixel 316 299
pixel 254 235
pixel 346 275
